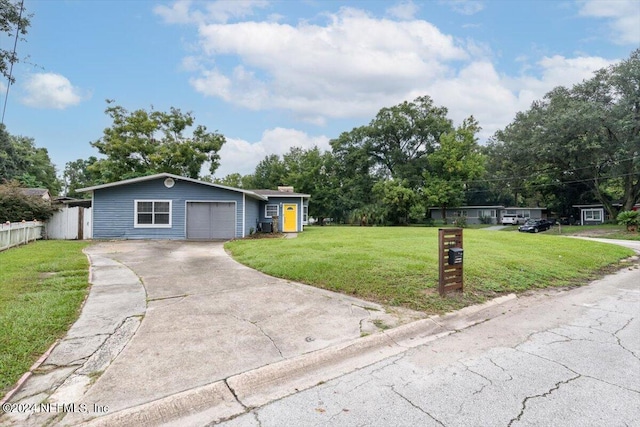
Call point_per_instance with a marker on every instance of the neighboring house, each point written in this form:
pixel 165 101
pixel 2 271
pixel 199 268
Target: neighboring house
pixel 533 213
pixel 43 193
pixel 595 214
pixel 490 214
pixel 167 206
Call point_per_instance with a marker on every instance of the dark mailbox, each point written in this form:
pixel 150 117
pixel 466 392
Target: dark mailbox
pixel 455 256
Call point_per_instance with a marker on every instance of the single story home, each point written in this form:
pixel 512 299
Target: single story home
pixel 167 206
pixel 488 214
pixel 595 213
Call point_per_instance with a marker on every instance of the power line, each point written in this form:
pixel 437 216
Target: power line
pixel 12 60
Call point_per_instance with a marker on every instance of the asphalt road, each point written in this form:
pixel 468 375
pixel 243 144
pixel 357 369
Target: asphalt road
pixel 563 358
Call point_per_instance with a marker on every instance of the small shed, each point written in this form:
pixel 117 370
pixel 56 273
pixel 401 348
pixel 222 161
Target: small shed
pixel 595 213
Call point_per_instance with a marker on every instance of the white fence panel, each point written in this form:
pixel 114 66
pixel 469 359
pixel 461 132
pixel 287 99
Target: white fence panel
pixel 19 233
pixel 70 223
pixel 87 232
pixel 64 224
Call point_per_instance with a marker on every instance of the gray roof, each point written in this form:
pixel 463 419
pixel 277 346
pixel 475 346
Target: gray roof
pixel 175 177
pixel 277 193
pixel 34 191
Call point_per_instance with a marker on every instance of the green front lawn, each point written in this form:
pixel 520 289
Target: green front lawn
pixel 399 265
pixel 42 286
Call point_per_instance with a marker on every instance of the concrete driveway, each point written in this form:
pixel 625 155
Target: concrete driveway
pixel 191 317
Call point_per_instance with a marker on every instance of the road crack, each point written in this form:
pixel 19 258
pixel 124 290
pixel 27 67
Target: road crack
pixel 417 407
pixel 545 394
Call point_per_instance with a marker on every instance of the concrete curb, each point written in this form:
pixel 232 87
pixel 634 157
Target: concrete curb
pixel 234 396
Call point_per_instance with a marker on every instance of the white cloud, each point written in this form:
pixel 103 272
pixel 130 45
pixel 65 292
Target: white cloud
pixel 623 18
pixel 240 156
pixel 352 66
pixel 465 7
pixel 217 11
pixel 404 10
pixel 50 90
pixel 494 99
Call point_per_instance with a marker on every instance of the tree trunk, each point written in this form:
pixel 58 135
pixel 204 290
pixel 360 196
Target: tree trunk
pixel 444 214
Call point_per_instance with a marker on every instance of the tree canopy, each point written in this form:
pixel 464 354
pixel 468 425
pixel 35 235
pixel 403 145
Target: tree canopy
pixel 144 142
pixel 579 144
pixel 12 18
pixel 22 161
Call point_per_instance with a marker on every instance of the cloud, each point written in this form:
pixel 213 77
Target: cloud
pixel 50 90
pixel 494 99
pixel 349 67
pixel 240 156
pixel 218 11
pixel 623 18
pixel 352 64
pixel 404 10
pixel 465 7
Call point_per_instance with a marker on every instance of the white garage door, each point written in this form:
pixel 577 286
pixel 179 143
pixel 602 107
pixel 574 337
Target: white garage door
pixel 211 220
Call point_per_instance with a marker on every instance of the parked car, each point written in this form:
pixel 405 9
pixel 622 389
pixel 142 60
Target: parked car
pixel 535 225
pixel 510 219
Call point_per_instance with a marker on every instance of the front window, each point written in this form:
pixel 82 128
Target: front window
pixel 270 211
pixel 593 215
pixel 487 213
pixel 153 213
pixel 305 215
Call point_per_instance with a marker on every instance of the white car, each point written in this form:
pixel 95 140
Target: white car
pixel 510 219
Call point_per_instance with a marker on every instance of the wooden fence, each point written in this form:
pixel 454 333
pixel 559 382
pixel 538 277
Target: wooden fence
pixel 70 223
pixel 19 233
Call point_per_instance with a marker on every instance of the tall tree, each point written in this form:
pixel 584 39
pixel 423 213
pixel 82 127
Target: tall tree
pixel 456 161
pixel 235 180
pixel 269 173
pixel 141 143
pixel 12 18
pixel 584 137
pixel 399 139
pixel 80 174
pixel 22 161
pixel 395 199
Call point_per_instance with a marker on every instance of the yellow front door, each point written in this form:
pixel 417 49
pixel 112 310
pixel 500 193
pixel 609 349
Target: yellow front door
pixel 290 218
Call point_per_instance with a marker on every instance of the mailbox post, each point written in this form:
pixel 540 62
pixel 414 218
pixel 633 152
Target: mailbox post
pixel 450 259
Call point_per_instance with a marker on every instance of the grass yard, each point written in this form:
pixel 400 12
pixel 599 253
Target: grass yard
pixel 399 265
pixel 42 286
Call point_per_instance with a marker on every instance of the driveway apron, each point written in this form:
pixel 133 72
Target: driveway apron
pixel 209 317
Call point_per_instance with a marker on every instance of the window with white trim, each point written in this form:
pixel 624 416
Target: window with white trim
pixel 305 215
pixel 593 214
pixel 270 211
pixel 152 214
pixel 486 213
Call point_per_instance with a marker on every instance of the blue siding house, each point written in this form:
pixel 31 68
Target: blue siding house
pixel 167 206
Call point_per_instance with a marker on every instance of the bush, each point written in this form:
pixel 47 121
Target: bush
pixel 460 221
pixel 486 220
pixel 629 218
pixel 16 206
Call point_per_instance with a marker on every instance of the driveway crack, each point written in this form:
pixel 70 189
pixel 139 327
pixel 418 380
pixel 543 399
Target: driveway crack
pixel 615 335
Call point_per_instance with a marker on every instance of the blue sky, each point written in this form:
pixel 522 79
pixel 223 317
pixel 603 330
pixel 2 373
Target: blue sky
pixel 274 74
